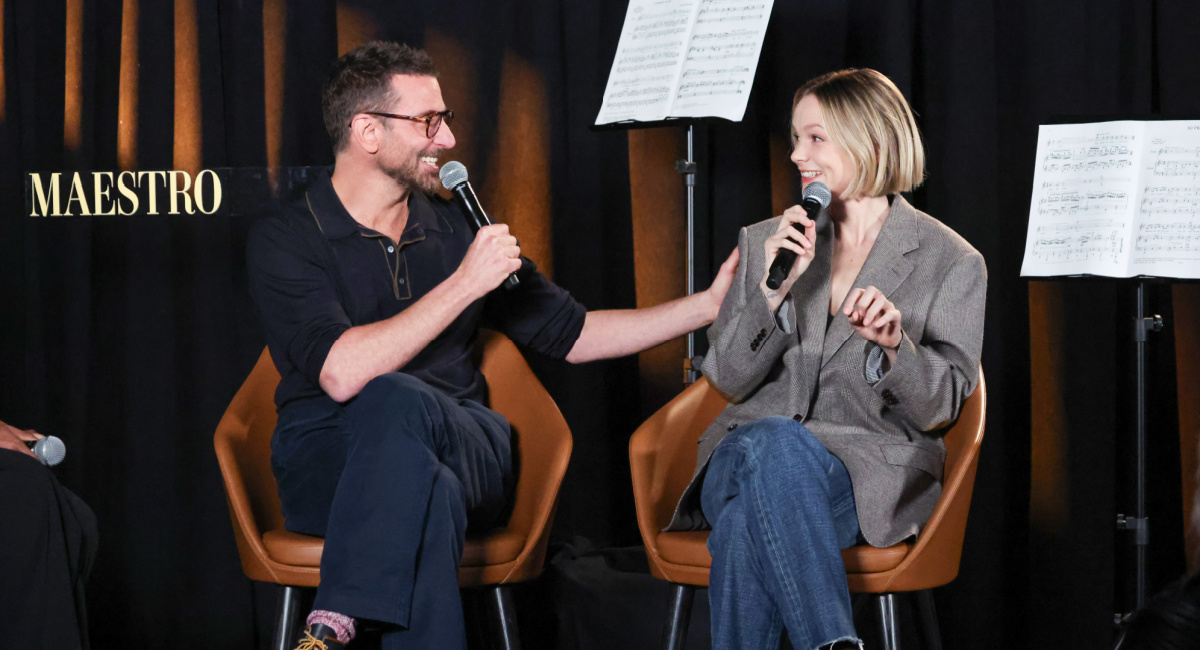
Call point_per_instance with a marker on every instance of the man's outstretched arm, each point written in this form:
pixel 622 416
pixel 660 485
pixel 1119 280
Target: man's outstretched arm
pixel 618 332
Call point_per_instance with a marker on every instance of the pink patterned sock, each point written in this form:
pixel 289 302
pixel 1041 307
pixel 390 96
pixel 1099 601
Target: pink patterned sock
pixel 340 623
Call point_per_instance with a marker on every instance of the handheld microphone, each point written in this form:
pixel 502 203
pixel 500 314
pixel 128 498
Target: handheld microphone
pixel 454 178
pixel 816 198
pixel 50 450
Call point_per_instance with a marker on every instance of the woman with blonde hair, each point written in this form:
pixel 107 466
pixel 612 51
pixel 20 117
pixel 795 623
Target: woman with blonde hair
pixel 842 380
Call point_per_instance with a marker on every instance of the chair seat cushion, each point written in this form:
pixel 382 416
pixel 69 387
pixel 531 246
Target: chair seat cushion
pixel 496 547
pixel 688 548
pixel 293 549
pixel 685 547
pixel 868 559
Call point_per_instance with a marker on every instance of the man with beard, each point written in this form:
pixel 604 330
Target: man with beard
pixel 371 288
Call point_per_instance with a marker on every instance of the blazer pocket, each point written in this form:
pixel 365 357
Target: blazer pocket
pixel 913 456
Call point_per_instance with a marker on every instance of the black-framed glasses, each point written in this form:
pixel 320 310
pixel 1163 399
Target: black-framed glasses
pixel 433 121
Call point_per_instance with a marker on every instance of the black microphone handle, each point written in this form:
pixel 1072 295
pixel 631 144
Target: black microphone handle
pixel 464 195
pixel 780 267
pixel 784 257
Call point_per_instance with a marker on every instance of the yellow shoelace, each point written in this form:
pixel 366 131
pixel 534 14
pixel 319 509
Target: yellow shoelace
pixel 311 642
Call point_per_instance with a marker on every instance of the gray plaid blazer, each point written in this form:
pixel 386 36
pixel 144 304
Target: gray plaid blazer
pixel 888 434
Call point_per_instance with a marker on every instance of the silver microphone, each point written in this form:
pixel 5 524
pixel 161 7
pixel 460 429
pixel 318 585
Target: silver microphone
pixel 50 450
pixel 454 178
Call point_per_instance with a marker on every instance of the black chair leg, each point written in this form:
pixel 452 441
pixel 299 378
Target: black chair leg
pixel 504 617
pixel 675 632
pixel 285 620
pixel 929 622
pixel 887 621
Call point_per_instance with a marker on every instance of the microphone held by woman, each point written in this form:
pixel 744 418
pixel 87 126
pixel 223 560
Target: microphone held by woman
pixel 816 198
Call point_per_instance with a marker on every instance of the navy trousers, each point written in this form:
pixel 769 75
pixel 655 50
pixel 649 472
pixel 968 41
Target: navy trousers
pixel 391 480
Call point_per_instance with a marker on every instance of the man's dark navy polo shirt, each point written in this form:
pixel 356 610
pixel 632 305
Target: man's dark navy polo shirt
pixel 316 272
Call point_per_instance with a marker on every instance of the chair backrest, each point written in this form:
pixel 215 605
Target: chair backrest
pixel 543 443
pixel 662 455
pixel 243 445
pixel 934 558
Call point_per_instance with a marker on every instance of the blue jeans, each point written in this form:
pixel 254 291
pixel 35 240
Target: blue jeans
pixel 392 480
pixel 781 508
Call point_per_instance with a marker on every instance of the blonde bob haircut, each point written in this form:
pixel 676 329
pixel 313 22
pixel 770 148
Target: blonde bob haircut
pixel 868 117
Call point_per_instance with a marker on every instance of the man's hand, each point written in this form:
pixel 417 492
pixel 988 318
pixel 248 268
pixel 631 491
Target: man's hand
pixel 720 284
pixel 365 352
pixel 492 257
pixel 14 439
pixel 875 318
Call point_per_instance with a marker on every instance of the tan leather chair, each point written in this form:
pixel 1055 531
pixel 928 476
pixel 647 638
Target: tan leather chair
pixel 513 554
pixel 662 455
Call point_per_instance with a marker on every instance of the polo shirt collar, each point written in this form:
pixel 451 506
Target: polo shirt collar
pixel 335 222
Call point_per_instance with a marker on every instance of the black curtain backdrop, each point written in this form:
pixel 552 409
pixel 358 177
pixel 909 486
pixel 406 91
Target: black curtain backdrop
pixel 127 336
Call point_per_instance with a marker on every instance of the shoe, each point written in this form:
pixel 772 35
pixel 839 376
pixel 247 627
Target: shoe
pixel 320 637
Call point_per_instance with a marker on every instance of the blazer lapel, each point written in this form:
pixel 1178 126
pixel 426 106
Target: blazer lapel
pixel 885 268
pixel 810 296
pixel 810 293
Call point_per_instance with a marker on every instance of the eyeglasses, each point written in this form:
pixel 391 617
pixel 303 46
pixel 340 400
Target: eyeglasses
pixel 433 121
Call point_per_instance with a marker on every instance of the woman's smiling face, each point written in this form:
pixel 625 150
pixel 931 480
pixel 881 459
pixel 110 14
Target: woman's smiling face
pixel 817 156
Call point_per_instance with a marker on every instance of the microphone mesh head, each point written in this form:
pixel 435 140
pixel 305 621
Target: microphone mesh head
pixel 818 191
pixel 50 450
pixel 453 174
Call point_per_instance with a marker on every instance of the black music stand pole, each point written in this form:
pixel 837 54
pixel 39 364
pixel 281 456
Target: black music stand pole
pixel 687 168
pixel 1140 524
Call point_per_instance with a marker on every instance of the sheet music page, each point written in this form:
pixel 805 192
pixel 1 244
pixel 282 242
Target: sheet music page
pixel 649 57
pixel 722 56
pixel 1083 206
pixel 1167 238
pixel 685 58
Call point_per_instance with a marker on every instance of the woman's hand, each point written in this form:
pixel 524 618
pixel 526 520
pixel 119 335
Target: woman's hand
pixel 875 318
pixel 787 236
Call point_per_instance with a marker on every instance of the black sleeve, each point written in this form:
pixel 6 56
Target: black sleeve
pixel 538 313
pixel 298 300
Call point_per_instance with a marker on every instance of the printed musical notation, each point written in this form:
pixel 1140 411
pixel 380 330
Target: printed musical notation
pixel 1098 139
pixel 1116 198
pixel 1177 168
pixel 1168 232
pixel 1090 246
pixel 1080 153
pixel 1086 166
pixel 713 12
pixel 704 51
pixel 711 87
pixel 1179 238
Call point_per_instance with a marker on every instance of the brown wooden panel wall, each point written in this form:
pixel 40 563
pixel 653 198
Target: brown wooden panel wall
pixel 659 248
pixel 1186 299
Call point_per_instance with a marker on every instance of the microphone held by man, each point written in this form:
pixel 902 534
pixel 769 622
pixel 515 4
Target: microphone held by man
pixel 454 178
